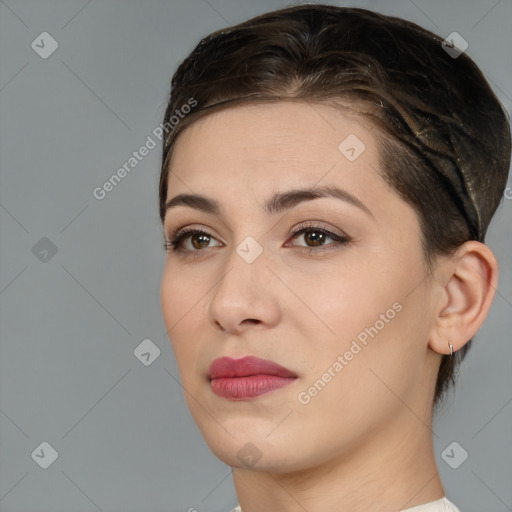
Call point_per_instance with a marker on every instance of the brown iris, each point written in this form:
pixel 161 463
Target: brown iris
pixel 200 241
pixel 315 237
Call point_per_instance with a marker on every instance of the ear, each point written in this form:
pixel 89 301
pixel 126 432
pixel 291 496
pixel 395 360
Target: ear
pixel 469 280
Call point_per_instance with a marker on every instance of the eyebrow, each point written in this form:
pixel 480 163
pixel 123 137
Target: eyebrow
pixel 279 202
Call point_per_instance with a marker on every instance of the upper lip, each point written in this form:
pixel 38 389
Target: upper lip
pixel 246 366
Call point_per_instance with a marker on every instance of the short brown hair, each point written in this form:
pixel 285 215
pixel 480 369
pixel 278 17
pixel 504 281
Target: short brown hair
pixel 443 136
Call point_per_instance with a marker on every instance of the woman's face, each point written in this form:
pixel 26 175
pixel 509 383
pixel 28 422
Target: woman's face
pixel 333 288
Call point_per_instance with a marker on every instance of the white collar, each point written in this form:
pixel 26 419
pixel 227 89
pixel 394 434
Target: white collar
pixel 442 505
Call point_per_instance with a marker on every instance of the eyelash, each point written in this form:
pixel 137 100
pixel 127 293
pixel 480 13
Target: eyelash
pixel 175 241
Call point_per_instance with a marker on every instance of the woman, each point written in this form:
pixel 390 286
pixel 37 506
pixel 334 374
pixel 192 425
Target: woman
pixel 327 181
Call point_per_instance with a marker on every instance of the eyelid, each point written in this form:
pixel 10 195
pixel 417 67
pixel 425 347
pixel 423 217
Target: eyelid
pixel 192 228
pixel 318 225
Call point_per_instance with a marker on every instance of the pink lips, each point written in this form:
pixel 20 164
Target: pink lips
pixel 248 377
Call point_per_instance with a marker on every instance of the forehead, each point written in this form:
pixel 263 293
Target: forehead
pixel 273 145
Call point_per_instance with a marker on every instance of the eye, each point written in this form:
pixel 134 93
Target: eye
pixel 315 236
pixel 190 239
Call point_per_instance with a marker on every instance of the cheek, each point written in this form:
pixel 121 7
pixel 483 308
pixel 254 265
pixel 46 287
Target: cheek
pixel 352 294
pixel 169 293
pixel 180 293
pixel 386 317
pixel 180 298
pixel 366 300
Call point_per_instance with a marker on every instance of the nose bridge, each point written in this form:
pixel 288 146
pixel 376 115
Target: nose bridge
pixel 243 293
pixel 245 269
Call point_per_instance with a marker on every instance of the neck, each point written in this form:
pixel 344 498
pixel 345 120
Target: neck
pixel 392 471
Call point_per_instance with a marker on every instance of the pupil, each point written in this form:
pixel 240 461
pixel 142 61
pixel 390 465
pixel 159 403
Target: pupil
pixel 315 237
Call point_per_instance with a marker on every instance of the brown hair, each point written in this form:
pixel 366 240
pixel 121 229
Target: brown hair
pixel 443 136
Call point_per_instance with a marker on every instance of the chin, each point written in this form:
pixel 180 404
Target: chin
pixel 254 450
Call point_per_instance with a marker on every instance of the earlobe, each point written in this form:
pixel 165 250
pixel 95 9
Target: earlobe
pixel 469 287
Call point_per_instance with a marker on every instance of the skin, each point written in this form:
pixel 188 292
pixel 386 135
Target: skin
pixel 365 440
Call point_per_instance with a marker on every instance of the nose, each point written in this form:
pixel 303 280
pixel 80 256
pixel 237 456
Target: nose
pixel 245 297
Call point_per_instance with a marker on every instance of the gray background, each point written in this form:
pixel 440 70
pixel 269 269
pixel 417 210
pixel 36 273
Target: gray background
pixel 70 321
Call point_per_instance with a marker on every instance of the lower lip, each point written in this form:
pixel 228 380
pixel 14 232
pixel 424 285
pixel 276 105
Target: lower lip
pixel 240 388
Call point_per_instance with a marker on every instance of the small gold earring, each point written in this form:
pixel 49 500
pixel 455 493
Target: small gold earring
pixel 451 348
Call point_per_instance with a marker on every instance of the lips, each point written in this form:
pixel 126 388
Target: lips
pixel 226 367
pixel 247 378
